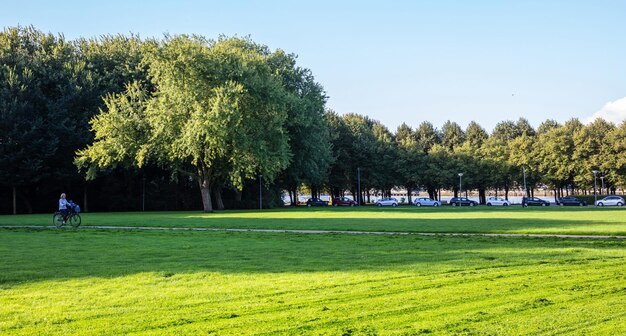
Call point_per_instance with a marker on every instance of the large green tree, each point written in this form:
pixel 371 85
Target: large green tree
pixel 40 81
pixel 217 113
pixel 308 131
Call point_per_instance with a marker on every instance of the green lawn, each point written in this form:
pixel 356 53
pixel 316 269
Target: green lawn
pixel 111 282
pixel 566 220
pixel 183 282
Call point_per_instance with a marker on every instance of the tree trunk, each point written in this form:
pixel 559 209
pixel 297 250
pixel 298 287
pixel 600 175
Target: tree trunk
pixel 481 196
pixel 431 193
pixel 408 194
pixel 14 201
pixel 219 203
pixel 506 192
pixel 85 208
pixel 24 198
pixel 238 194
pixel 205 191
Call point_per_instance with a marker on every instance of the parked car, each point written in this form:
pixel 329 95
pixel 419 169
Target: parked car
pixel 570 200
pixel 425 201
pixel 610 200
pixel 462 201
pixel 498 201
pixel 344 201
pixel 527 201
pixel 316 202
pixel 389 201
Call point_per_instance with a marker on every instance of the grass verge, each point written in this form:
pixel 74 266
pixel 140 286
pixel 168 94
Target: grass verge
pixel 114 282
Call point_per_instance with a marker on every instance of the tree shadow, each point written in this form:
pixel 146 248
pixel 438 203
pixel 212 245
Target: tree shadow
pixel 36 255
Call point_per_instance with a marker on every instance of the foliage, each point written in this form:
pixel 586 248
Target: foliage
pixel 217 114
pixel 223 112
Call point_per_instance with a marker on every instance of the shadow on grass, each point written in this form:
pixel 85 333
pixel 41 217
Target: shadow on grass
pixel 32 256
pixel 614 226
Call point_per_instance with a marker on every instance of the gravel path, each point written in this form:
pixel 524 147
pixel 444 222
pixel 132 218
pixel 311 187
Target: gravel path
pixel 156 228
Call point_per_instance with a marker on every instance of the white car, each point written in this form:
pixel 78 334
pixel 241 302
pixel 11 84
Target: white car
pixel 498 201
pixel 425 201
pixel 389 201
pixel 610 200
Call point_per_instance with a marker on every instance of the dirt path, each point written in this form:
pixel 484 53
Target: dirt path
pixel 155 228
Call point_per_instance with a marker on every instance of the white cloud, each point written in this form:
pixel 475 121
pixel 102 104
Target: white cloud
pixel 614 111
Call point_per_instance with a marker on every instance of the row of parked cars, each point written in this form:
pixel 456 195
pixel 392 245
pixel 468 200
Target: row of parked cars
pixel 464 201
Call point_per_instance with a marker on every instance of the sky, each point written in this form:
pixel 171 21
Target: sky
pixel 401 61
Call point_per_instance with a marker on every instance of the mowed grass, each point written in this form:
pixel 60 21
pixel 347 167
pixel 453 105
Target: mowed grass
pixel 111 282
pixel 549 220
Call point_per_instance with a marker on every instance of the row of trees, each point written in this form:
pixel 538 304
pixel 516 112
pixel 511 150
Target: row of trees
pixel 214 112
pixel 559 157
pixel 124 119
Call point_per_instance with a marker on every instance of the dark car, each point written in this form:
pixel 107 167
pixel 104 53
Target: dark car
pixel 527 201
pixel 570 200
pixel 316 202
pixel 462 201
pixel 344 201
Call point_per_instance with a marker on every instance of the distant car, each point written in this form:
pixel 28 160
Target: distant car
pixel 528 201
pixel 425 201
pixel 610 200
pixel 344 201
pixel 316 202
pixel 462 201
pixel 570 200
pixel 498 201
pixel 389 201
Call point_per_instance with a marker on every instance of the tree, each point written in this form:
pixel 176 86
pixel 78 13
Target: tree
pixel 524 128
pixel 309 138
pixel 591 151
pixel 554 152
pixel 451 135
pixel 522 156
pixel 615 157
pixel 410 161
pixel 38 116
pixel 386 157
pixel 546 126
pixel 342 171
pixel 217 112
pixel 427 136
pixel 363 153
pixel 477 172
pixel 505 131
pixel 496 152
pixel 475 135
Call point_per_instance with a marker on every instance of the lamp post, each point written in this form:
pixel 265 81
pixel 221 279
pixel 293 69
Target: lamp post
pixel 358 179
pixel 260 192
pixel 595 195
pixel 460 186
pixel 602 188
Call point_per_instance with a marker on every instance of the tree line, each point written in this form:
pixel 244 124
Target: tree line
pixel 185 122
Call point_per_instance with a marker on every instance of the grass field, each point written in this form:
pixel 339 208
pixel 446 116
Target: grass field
pixel 566 220
pixel 112 282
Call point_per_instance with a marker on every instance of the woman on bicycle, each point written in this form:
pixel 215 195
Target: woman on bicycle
pixel 63 207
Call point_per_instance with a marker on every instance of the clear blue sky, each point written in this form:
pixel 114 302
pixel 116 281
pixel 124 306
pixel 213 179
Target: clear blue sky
pixel 400 61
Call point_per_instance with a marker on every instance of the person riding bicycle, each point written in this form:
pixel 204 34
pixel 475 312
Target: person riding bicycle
pixel 63 207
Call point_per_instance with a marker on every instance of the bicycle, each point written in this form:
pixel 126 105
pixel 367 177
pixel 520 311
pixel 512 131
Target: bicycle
pixel 72 218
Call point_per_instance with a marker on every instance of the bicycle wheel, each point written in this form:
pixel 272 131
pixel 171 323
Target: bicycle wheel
pixel 57 219
pixel 75 220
